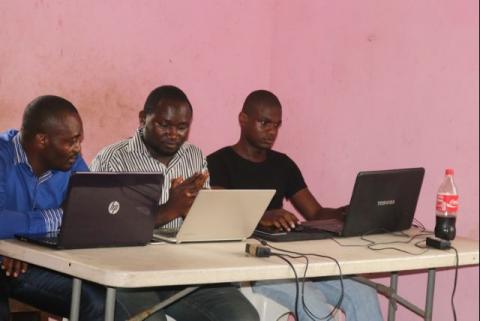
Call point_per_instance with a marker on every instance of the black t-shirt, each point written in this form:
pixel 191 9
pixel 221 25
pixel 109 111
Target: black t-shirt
pixel 229 170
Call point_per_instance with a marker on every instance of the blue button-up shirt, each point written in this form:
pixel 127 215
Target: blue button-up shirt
pixel 29 204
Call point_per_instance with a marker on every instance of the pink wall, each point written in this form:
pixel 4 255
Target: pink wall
pixel 365 85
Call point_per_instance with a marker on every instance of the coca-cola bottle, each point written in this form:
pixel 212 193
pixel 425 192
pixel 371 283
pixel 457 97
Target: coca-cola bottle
pixel 446 207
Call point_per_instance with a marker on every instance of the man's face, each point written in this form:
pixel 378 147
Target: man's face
pixel 62 143
pixel 167 128
pixel 260 127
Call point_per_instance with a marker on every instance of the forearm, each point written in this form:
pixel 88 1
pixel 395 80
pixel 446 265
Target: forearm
pixel 165 214
pixel 38 221
pixel 330 213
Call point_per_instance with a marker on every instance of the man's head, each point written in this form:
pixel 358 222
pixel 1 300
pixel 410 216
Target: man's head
pixel 51 133
pixel 166 119
pixel 260 119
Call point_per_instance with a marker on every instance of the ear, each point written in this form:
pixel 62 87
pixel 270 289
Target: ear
pixel 141 118
pixel 41 140
pixel 242 119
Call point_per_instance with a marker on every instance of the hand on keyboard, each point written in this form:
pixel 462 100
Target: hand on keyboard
pixel 280 219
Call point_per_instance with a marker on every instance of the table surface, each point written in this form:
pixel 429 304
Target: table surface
pixel 202 263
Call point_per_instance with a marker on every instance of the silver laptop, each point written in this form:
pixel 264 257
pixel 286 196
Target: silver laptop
pixel 220 215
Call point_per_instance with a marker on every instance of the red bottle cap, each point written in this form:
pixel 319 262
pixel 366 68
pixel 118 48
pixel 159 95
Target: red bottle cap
pixel 449 171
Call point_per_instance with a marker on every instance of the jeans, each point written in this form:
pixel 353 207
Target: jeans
pixel 360 302
pixel 51 292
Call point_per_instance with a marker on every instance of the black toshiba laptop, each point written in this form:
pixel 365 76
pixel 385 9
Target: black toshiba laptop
pixel 105 210
pixel 382 201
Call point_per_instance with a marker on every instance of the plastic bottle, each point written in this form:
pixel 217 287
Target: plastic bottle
pixel 446 207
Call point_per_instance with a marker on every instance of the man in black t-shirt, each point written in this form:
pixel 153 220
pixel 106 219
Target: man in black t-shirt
pixel 252 164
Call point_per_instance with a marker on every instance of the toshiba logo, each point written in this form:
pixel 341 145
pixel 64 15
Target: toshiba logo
pixel 387 202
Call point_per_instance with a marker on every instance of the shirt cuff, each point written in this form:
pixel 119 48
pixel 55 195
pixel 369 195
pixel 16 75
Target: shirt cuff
pixel 52 218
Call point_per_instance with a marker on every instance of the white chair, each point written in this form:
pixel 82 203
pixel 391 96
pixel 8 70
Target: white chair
pixel 269 310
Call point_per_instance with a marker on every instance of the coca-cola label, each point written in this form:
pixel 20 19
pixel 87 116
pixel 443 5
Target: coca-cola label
pixel 447 203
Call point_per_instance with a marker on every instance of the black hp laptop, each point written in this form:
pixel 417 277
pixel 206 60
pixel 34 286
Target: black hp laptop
pixel 382 201
pixel 105 210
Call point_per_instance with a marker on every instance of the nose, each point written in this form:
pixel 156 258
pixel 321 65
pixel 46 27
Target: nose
pixel 172 131
pixel 272 130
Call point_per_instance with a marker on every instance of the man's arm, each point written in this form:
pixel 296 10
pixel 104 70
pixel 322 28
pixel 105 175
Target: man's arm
pixel 182 195
pixel 307 205
pixel 34 221
pixel 38 221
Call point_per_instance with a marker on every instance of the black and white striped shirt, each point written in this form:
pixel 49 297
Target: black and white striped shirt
pixel 131 155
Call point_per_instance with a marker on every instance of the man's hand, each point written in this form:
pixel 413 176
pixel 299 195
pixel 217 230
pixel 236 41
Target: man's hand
pixel 183 192
pixel 13 267
pixel 280 219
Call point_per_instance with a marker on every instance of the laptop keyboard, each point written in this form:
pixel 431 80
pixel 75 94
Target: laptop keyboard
pixel 333 225
pixel 50 238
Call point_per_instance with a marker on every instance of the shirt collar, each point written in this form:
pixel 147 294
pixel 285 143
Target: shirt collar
pixel 136 144
pixel 21 158
pixel 20 155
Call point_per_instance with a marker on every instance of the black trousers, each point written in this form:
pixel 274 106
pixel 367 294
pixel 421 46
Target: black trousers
pixel 4 308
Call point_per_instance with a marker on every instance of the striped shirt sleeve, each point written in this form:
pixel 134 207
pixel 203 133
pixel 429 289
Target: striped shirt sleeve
pixel 52 218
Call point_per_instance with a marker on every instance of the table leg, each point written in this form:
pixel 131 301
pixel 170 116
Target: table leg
pixel 110 304
pixel 392 306
pixel 429 299
pixel 75 303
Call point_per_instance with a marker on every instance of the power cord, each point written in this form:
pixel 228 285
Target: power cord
pixel 429 242
pixel 373 245
pixel 265 250
pixel 280 256
pixel 454 283
pixel 307 310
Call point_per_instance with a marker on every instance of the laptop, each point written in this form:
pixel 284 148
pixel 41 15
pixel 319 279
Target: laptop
pixel 105 210
pixel 382 201
pixel 220 215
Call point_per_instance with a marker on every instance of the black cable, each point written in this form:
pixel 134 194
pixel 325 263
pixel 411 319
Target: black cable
pixel 416 223
pixel 371 244
pixel 454 283
pixel 307 310
pixel 296 282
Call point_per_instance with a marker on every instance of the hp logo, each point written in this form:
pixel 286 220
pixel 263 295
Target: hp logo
pixel 113 207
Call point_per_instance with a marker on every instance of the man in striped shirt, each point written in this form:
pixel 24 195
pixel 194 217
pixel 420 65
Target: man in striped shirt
pixel 35 167
pixel 159 145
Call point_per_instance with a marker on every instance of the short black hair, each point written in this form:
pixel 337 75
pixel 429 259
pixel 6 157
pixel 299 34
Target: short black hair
pixel 41 112
pixel 259 98
pixel 166 92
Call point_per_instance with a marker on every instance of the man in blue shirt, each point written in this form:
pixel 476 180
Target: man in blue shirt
pixel 35 166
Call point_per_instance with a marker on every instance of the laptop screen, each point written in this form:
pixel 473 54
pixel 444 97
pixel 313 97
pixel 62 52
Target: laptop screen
pixel 383 201
pixel 110 209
